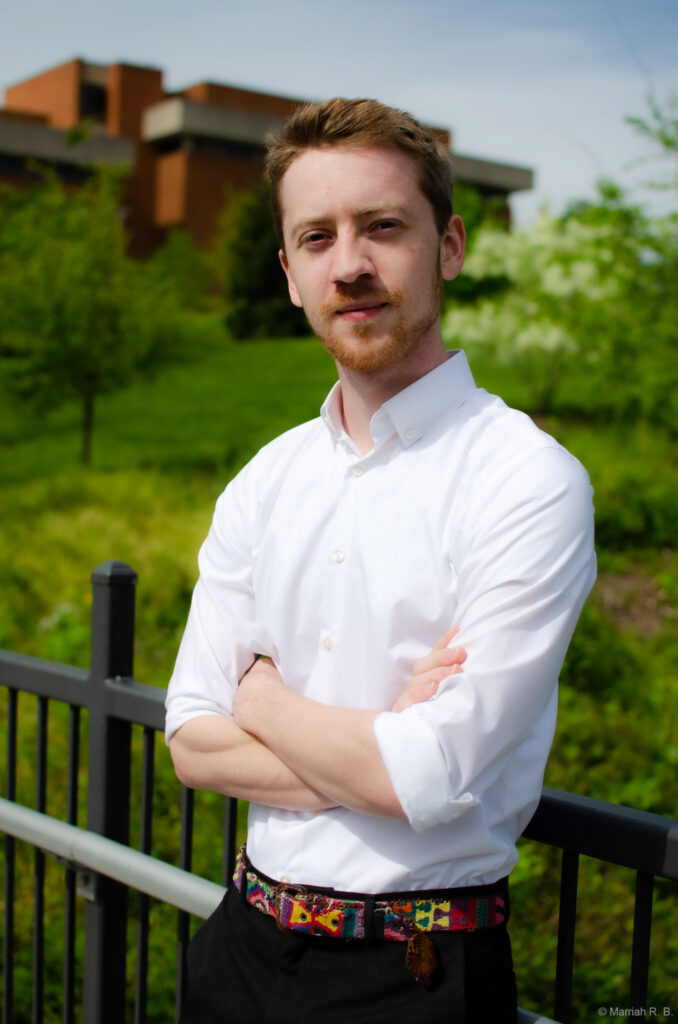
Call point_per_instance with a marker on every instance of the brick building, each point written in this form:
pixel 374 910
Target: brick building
pixel 182 149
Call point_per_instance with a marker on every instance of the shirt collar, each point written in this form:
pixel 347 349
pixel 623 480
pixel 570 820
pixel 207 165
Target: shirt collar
pixel 413 410
pixel 330 413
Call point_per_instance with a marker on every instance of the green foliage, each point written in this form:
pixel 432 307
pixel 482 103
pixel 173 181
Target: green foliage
pixel 179 272
pixel 601 661
pixel 639 510
pixel 596 286
pixel 635 353
pixel 559 275
pixel 246 264
pixel 76 319
pixel 477 212
pixel 660 127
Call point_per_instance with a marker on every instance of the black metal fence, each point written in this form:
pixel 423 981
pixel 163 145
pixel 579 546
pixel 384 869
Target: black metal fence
pixel 114 702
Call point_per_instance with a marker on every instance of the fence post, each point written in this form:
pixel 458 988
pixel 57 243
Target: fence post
pixel 108 790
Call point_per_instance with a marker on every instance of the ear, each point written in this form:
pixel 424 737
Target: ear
pixel 292 288
pixel 453 248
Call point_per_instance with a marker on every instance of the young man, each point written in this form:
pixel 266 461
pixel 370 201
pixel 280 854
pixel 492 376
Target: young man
pixel 389 772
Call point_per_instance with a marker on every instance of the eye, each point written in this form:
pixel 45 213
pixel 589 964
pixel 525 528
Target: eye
pixel 385 226
pixel 314 239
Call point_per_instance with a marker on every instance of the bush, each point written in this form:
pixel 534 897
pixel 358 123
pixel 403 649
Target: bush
pixel 639 510
pixel 601 661
pixel 247 265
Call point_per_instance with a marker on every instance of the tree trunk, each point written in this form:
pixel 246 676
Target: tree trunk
pixel 87 428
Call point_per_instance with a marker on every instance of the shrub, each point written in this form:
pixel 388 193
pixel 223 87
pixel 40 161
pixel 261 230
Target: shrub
pixel 246 263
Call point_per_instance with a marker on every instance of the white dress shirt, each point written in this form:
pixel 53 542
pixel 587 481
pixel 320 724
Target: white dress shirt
pixel 347 568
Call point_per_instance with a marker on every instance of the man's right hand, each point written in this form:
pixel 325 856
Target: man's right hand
pixel 429 671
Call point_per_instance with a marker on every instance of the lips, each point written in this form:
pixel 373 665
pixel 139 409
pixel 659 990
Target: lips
pixel 362 310
pixel 360 304
pixel 357 305
pixel 355 308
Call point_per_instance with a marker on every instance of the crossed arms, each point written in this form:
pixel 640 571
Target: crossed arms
pixel 283 750
pixel 521 566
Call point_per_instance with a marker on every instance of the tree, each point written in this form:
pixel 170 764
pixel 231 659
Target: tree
pixel 179 271
pixel 533 322
pixel 246 264
pixel 660 127
pixel 476 211
pixel 77 320
pixel 637 341
pixel 596 286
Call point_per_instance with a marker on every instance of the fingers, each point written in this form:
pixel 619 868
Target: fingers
pixel 422 688
pixel 440 657
pixel 444 640
pixel 440 648
pixel 442 661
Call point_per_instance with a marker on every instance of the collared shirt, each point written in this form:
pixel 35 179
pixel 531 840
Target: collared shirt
pixel 347 568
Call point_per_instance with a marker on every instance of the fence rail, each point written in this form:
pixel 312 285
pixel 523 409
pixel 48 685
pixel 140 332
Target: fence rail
pixel 87 852
pixel 114 702
pixel 644 842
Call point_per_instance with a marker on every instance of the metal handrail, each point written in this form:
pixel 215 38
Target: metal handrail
pixel 83 849
pixel 640 840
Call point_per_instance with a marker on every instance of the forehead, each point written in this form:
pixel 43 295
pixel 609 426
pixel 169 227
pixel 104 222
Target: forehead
pixel 335 181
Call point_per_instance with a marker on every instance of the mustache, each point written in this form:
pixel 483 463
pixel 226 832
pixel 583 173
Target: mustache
pixel 359 292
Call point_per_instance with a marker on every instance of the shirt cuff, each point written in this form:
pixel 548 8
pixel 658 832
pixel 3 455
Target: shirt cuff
pixel 177 717
pixel 418 770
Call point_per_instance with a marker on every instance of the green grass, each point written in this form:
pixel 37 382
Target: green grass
pixel 205 415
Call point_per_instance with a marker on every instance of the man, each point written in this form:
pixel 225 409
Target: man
pixel 388 771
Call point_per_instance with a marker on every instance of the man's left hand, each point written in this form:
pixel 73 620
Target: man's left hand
pixel 442 661
pixel 254 686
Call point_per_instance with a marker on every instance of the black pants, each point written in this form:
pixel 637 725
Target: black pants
pixel 242 969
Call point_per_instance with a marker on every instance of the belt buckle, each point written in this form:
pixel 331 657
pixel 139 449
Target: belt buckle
pixel 281 890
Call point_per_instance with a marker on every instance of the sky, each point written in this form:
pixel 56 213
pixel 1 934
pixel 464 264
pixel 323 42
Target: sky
pixel 544 84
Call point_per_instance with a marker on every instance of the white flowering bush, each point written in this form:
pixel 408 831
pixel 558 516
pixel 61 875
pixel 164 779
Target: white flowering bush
pixel 580 290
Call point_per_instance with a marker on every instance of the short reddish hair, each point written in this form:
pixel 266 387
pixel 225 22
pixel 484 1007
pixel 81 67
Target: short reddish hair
pixel 361 122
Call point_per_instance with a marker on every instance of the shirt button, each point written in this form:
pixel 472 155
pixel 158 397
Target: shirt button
pixel 327 643
pixel 409 434
pixel 358 469
pixel 338 556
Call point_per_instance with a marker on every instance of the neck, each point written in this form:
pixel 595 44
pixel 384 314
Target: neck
pixel 363 393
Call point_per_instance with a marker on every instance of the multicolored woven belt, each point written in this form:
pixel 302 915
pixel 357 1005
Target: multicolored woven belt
pixel 299 909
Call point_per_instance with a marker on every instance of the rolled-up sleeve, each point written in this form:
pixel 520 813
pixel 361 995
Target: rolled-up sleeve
pixel 525 565
pixel 216 649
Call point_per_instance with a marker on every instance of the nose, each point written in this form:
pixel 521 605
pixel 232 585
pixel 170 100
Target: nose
pixel 351 259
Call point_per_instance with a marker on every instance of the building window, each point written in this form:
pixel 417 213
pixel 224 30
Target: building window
pixel 93 102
